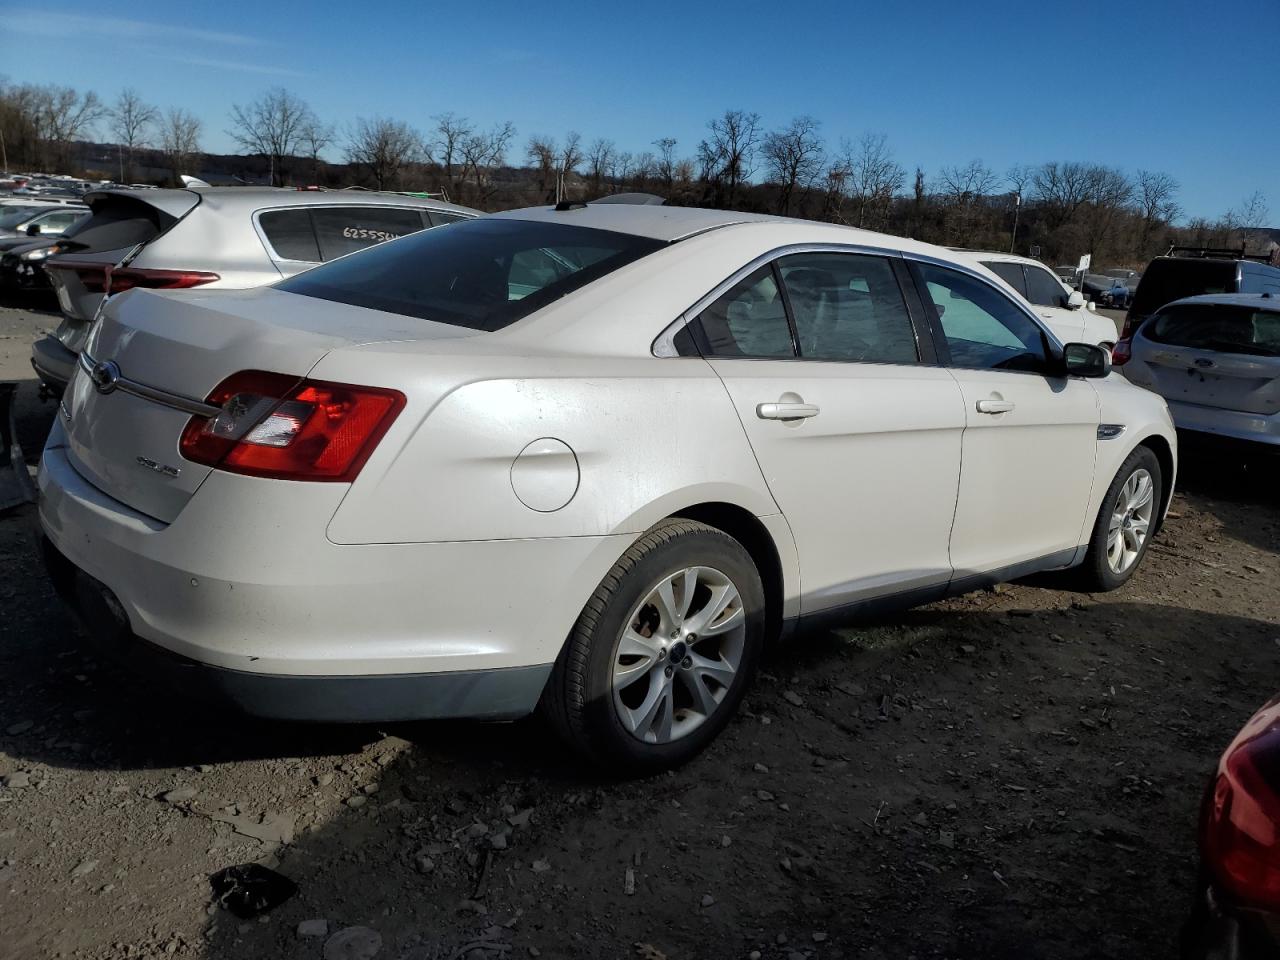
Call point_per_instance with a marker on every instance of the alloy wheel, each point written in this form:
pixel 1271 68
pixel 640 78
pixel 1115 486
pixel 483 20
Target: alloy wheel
pixel 678 654
pixel 1130 521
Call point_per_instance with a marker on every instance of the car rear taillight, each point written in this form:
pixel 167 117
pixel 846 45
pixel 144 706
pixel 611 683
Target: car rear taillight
pixel 274 425
pixel 1122 352
pixel 106 278
pixel 1240 821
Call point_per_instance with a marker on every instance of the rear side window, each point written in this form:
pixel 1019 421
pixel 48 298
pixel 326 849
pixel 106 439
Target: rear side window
pixel 343 230
pixel 748 320
pixel 483 274
pixel 439 218
pixel 290 234
pixel 848 307
pixel 1229 329
pixel 1010 273
pixel 1043 288
pixel 315 234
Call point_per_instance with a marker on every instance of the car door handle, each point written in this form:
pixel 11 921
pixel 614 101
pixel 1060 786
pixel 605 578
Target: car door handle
pixel 786 411
pixel 995 406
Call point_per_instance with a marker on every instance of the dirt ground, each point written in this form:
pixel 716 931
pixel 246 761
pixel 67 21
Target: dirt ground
pixel 1010 774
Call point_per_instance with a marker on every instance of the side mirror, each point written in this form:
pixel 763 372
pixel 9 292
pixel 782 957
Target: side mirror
pixel 33 230
pixel 1091 307
pixel 1075 300
pixel 1085 360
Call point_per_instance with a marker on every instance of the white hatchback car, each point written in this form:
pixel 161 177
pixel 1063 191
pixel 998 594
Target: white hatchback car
pixel 589 457
pixel 1062 309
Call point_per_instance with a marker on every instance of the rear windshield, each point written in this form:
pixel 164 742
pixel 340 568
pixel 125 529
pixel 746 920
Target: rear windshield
pixel 117 222
pixel 482 274
pixel 1168 280
pixel 1227 329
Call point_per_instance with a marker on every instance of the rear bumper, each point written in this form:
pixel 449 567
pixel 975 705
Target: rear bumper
pixel 495 694
pixel 242 594
pixel 1235 424
pixel 53 362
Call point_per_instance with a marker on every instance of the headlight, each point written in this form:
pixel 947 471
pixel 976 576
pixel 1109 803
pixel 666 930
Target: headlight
pixel 40 254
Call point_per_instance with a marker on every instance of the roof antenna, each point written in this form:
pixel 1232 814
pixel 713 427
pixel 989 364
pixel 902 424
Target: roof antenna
pixel 564 205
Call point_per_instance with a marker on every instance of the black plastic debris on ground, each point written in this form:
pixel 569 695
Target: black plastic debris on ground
pixel 249 889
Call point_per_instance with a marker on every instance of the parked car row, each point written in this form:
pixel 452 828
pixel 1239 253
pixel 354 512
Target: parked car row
pixel 211 238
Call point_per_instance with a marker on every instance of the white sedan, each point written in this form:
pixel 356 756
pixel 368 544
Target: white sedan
pixel 1063 310
pixel 589 458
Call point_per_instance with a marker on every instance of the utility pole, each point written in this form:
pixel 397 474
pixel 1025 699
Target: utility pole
pixel 1017 209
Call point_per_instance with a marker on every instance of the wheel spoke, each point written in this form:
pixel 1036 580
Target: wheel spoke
pixel 666 714
pixel 718 669
pixel 703 700
pixel 704 624
pixel 639 720
pixel 1142 493
pixel 671 610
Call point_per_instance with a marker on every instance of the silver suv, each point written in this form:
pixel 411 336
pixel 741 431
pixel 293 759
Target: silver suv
pixel 215 237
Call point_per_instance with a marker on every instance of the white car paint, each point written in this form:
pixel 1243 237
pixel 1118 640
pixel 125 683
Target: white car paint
pixel 1073 320
pixel 527 460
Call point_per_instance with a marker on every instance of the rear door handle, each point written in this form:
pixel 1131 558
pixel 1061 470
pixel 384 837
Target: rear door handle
pixel 995 406
pixel 786 411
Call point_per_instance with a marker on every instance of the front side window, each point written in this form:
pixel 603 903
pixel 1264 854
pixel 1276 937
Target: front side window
pixel 483 274
pixel 1043 288
pixel 749 320
pixel 848 307
pixel 984 329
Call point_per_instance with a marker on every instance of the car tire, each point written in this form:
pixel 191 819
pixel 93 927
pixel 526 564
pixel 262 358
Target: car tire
pixel 610 675
pixel 1128 500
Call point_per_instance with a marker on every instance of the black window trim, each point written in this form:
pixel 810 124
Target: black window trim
pixel 664 345
pixel 423 213
pixel 1053 344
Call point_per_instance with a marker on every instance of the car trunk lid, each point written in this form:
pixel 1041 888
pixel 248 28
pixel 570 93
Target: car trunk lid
pixel 168 352
pixel 1215 355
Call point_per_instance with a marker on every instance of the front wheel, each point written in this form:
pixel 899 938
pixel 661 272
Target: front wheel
pixel 663 652
pixel 1126 519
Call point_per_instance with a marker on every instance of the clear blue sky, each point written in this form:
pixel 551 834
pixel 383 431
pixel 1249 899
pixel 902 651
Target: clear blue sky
pixel 1189 88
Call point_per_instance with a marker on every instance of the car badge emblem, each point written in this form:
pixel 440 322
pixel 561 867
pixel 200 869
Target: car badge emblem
pixel 105 376
pixel 161 468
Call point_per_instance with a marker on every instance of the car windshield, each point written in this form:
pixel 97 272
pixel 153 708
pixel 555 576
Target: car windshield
pixel 480 274
pixel 1210 326
pixel 1172 279
pixel 13 220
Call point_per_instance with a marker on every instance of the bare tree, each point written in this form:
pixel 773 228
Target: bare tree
pixel 451 135
pixel 666 169
pixel 600 160
pixel 570 157
pixel 623 166
pixel 1157 206
pixel 725 157
pixel 483 153
pixel 793 158
pixel 271 126
pixel 544 154
pixel 1018 177
pixel 313 139
pixel 873 177
pixel 180 140
pixel 131 121
pixel 1109 195
pixel 383 147
pixel 1060 189
pixel 1252 213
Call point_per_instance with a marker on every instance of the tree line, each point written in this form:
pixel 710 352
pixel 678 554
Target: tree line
pixel 1055 209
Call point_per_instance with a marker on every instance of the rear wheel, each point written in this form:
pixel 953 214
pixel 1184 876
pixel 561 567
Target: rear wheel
pixel 1126 519
pixel 663 652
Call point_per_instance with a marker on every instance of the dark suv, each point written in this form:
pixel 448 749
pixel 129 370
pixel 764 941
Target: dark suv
pixel 1194 271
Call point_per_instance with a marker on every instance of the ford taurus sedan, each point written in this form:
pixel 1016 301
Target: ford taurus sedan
pixel 588 458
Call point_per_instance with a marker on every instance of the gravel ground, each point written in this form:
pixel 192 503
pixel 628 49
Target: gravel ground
pixel 1010 774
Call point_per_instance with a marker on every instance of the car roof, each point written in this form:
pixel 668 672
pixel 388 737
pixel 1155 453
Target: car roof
pixel 998 257
pixel 644 220
pixel 253 198
pixel 670 224
pixel 1259 301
